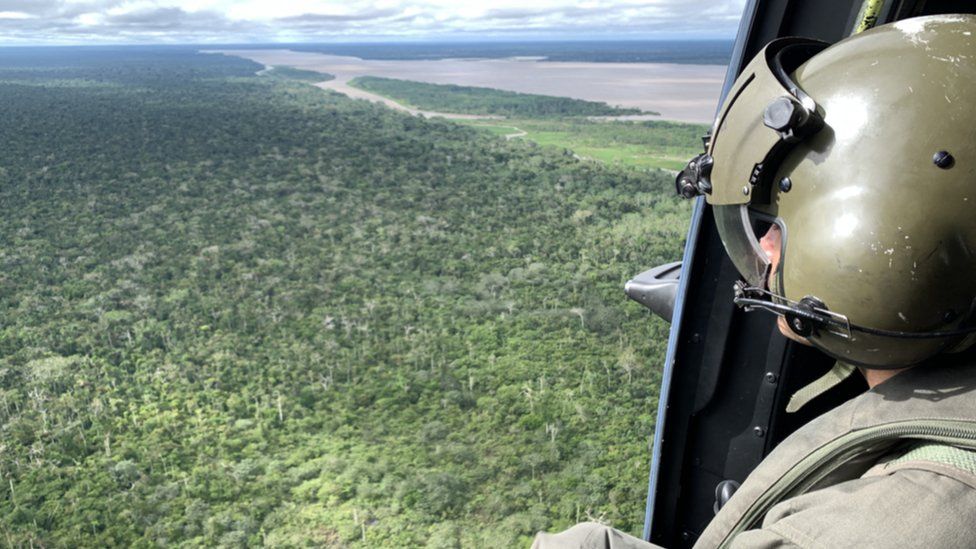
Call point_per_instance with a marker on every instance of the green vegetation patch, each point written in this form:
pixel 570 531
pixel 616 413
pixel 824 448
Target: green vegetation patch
pixel 487 101
pixel 646 144
pixel 299 74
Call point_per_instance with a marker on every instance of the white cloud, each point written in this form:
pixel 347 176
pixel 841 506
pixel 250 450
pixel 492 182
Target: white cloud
pixel 15 15
pixel 89 19
pixel 329 20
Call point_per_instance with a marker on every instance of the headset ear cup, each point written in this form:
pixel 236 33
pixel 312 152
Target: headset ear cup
pixel 799 326
pixel 803 322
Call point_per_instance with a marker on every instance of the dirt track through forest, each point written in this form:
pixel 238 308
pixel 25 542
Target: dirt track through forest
pixel 341 85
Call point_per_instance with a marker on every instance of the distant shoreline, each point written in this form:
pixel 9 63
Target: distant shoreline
pixel 680 92
pixel 679 52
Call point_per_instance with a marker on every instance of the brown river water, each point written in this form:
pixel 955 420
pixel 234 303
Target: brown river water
pixel 686 93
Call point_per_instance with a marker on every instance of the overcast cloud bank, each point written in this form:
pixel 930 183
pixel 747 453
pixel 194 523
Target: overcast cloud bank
pixel 26 22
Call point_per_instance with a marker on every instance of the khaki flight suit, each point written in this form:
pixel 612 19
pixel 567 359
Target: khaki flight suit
pixel 902 473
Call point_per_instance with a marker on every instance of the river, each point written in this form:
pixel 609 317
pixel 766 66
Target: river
pixel 686 93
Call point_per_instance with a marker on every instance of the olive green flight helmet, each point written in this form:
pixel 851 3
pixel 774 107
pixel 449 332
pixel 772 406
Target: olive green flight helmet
pixel 864 153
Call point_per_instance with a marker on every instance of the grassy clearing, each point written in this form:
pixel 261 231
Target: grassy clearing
pixel 494 129
pixel 650 144
pixel 553 121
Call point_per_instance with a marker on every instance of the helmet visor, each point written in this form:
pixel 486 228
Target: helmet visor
pixel 765 115
pixel 739 228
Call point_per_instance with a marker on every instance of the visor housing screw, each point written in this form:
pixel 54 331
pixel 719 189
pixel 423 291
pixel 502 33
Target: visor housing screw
pixel 785 184
pixel 745 190
pixel 782 114
pixel 943 160
pixel 759 431
pixel 771 377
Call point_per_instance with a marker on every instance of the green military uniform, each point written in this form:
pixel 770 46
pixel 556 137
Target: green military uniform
pixel 909 485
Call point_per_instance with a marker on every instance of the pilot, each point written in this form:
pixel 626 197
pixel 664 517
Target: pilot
pixel 857 164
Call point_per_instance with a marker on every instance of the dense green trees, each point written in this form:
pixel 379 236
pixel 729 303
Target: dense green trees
pixel 240 310
pixel 299 74
pixel 472 100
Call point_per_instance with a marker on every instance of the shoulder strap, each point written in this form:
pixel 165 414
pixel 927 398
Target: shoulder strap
pixel 957 463
pixel 958 458
pixel 821 385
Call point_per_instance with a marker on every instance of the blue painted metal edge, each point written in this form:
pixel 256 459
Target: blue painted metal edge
pixel 735 65
pixel 662 406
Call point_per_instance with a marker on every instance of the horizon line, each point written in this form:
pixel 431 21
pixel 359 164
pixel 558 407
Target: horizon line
pixel 377 41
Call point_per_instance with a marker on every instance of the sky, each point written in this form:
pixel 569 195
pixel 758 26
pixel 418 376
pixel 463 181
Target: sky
pixel 36 22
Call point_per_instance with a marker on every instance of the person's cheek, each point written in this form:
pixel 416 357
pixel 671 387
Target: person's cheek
pixel 770 244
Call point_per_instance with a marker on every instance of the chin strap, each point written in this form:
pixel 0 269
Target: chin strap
pixel 840 372
pixel 804 317
pixel 810 314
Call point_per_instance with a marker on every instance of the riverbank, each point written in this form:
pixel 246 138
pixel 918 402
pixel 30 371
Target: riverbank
pixel 684 93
